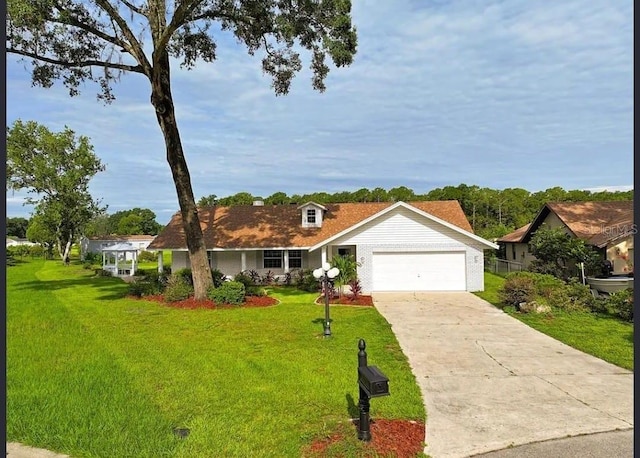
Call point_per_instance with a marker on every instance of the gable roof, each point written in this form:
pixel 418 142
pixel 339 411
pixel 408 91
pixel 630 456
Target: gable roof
pixel 279 226
pixel 597 223
pixel 515 236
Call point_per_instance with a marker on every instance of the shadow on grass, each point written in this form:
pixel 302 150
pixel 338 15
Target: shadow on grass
pixel 113 287
pixel 352 408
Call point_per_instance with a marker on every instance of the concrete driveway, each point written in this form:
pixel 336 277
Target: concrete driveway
pixel 491 382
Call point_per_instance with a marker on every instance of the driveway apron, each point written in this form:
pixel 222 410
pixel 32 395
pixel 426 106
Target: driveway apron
pixel 489 381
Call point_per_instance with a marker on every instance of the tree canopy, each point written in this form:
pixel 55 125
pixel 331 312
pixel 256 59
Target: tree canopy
pixel 491 212
pixel 76 41
pixel 17 227
pixel 57 168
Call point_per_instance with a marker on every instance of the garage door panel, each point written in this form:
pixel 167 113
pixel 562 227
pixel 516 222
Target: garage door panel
pixel 419 271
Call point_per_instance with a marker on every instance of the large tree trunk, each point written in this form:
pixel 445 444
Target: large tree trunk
pixel 163 102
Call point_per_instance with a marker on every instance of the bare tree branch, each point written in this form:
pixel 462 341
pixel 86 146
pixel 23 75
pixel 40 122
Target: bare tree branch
pixel 84 63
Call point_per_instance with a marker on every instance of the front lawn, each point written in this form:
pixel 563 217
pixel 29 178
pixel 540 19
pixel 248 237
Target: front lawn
pixel 91 373
pixel 600 335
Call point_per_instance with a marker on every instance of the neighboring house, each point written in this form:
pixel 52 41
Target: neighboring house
pixel 15 241
pixel 417 246
pixel 96 244
pixel 607 226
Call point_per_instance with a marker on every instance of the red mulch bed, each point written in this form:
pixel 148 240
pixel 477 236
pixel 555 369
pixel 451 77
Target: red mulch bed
pixel 392 438
pixel 191 303
pixel 349 300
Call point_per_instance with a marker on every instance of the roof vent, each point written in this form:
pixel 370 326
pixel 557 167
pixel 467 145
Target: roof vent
pixel 258 203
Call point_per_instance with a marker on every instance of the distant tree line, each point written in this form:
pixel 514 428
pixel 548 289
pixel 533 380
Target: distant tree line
pixel 124 222
pixel 491 212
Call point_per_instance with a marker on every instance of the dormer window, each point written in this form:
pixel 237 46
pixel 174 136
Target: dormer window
pixel 311 216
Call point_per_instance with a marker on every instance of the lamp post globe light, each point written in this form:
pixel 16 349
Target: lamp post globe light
pixel 326 274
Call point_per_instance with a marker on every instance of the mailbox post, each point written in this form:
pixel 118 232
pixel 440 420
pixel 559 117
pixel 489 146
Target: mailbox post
pixel 371 383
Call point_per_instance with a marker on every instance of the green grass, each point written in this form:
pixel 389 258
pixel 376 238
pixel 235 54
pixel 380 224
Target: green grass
pixel 91 373
pixel 600 335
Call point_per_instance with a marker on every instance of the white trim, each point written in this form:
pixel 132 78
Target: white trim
pixel 415 210
pixel 312 203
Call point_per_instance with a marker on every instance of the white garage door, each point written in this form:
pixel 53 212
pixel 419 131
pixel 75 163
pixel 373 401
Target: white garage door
pixel 424 271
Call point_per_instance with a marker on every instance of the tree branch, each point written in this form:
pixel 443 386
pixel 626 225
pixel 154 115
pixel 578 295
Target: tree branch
pixel 132 7
pixel 137 52
pixel 84 63
pixel 177 21
pixel 74 21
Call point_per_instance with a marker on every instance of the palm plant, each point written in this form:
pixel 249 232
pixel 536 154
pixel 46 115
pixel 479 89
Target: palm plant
pixel 348 267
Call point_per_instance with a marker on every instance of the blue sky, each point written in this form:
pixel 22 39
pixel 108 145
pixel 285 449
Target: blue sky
pixel 530 94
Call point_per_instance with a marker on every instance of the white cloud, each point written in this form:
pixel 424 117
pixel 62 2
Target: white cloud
pixel 496 93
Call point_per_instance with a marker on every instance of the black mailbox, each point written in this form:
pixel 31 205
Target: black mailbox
pixel 372 381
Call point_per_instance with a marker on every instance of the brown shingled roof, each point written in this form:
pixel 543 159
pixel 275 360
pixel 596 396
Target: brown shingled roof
pixel 597 223
pixel 515 236
pixel 273 226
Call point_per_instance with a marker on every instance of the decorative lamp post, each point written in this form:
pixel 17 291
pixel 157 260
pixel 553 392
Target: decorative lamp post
pixel 326 274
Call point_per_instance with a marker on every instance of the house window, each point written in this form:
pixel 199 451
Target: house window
pixel 272 259
pixel 344 251
pixel 513 251
pixel 311 216
pixel 295 259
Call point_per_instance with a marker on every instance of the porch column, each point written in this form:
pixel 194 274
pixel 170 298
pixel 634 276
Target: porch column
pixel 160 262
pixel 104 261
pixel 323 254
pixel 286 261
pixel 243 261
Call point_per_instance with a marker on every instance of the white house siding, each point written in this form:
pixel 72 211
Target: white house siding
pixel 227 262
pixel 180 260
pixel 406 231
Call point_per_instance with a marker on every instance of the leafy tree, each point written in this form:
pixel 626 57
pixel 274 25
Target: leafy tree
pixel 137 221
pixel 39 231
pixel 241 198
pixel 277 198
pixel 72 39
pixel 99 226
pixel 17 227
pixel 379 195
pixel 208 201
pixel 130 224
pixel 57 167
pixel 401 193
pixel 557 253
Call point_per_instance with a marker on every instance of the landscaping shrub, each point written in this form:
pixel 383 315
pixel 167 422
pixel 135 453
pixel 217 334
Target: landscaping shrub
pixel 36 251
pixel 255 290
pixel 573 297
pixel 92 257
pixel 186 275
pixel 307 282
pixel 244 278
pixel 255 276
pixel 268 279
pixel 356 288
pixel 147 256
pixel 288 278
pixel 621 304
pixel 178 288
pixel 218 278
pixel 100 272
pixel 231 292
pixel 517 289
pixel 142 287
